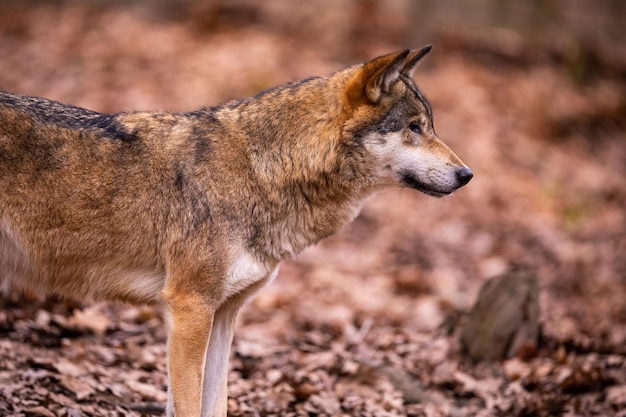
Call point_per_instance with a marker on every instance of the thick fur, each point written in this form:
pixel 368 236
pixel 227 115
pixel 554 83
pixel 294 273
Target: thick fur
pixel 197 209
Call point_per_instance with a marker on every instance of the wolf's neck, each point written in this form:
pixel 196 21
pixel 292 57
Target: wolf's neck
pixel 310 182
pixel 288 219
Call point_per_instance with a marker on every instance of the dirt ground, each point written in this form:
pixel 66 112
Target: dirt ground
pixel 367 322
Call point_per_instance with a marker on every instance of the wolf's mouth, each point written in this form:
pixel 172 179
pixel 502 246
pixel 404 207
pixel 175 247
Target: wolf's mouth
pixel 412 182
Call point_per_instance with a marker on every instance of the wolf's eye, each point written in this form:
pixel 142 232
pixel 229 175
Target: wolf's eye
pixel 415 128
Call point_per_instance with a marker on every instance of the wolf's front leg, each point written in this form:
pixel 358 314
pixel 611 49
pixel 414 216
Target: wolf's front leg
pixel 190 322
pixel 215 395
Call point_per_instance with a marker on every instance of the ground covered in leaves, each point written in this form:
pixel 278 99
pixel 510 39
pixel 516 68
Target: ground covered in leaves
pixel 366 323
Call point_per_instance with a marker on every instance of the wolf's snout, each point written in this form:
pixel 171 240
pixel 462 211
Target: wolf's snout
pixel 464 175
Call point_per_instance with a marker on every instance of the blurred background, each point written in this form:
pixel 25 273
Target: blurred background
pixel 531 95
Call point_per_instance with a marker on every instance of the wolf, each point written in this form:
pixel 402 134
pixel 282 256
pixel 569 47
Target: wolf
pixel 196 210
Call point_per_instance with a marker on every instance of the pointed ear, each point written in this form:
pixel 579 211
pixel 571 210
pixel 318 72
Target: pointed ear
pixel 413 59
pixel 381 73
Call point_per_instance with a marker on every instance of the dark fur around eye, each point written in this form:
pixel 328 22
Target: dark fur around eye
pixel 415 128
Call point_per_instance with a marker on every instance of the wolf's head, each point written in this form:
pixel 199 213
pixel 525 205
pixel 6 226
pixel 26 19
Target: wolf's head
pixel 393 122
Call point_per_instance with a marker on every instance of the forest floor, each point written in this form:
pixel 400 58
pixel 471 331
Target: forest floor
pixel 367 322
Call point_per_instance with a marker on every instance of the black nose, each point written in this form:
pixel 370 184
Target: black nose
pixel 464 175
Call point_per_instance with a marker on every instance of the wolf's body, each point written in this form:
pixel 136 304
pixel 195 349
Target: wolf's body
pixel 197 209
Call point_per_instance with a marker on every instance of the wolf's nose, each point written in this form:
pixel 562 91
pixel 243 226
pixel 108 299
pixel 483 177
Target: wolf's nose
pixel 464 175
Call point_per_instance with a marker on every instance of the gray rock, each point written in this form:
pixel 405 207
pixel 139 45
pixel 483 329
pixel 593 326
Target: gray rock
pixel 504 322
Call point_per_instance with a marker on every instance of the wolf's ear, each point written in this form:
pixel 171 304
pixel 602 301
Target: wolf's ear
pixel 381 73
pixel 413 59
